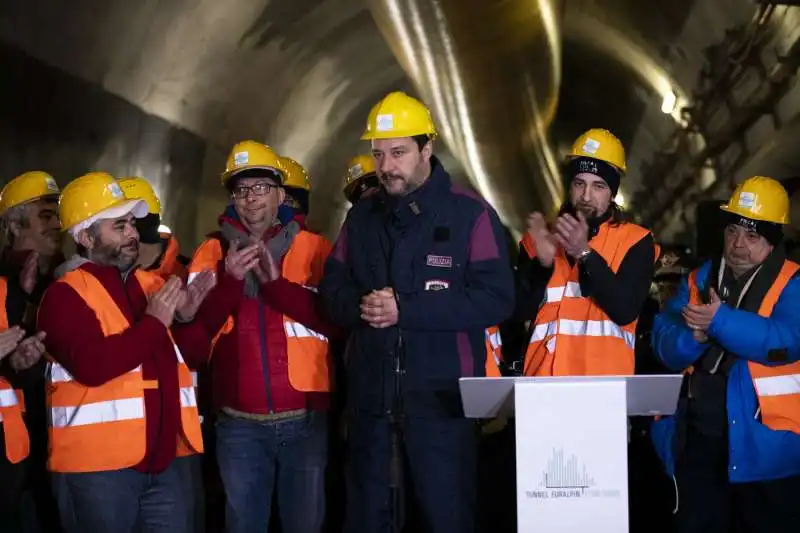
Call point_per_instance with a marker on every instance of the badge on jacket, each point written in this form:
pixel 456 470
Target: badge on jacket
pixel 441 261
pixel 436 285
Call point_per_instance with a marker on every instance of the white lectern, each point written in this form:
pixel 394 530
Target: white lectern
pixel 572 443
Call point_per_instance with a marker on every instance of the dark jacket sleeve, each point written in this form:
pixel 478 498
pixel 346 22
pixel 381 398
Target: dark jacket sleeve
pixel 18 308
pixel 194 338
pixel 531 283
pixel 76 341
pixel 340 292
pixel 487 297
pixel 621 295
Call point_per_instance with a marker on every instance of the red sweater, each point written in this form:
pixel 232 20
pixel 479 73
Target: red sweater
pixel 240 380
pixel 76 341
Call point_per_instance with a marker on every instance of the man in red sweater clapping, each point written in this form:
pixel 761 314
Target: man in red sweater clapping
pixel 270 362
pixel 124 428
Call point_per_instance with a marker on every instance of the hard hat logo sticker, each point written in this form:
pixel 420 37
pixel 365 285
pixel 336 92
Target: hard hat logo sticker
pixel 51 185
pixel 747 199
pixel 241 158
pixel 590 146
pixel 588 166
pixel 115 190
pixel 384 122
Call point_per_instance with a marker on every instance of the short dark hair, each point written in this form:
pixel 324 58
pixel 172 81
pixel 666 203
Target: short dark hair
pixel 421 140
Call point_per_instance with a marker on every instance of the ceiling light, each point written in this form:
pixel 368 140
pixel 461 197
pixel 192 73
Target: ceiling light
pixel 668 105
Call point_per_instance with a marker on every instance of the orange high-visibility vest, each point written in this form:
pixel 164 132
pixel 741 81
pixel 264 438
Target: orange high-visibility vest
pixel 95 429
pixel 777 387
pixel 494 352
pixel 12 405
pixel 308 353
pixel 571 335
pixel 170 265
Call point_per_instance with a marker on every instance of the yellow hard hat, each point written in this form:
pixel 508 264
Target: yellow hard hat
pixel 92 197
pixel 26 188
pixel 296 175
pixel 398 115
pixel 760 198
pixel 136 188
pixel 249 155
pixel 602 145
pixel 358 167
pixel 361 166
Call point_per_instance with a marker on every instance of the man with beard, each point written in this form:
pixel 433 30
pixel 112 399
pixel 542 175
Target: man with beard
pixel 271 362
pixel 124 428
pixel 32 232
pixel 582 281
pixel 733 446
pixel 418 273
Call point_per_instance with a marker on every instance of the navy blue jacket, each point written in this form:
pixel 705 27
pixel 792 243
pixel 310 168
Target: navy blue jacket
pixel 443 251
pixel 755 452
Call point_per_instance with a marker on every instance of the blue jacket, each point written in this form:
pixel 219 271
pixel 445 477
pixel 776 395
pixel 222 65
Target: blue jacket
pixel 756 453
pixel 443 251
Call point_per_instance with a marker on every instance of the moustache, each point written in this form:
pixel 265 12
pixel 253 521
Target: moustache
pixel 391 177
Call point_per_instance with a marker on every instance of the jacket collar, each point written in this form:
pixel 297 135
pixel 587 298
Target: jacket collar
pixel 425 200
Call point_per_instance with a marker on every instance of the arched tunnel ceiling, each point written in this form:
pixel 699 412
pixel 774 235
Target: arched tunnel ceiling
pixel 302 74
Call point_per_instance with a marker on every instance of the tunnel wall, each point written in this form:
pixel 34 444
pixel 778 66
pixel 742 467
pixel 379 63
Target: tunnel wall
pixel 52 121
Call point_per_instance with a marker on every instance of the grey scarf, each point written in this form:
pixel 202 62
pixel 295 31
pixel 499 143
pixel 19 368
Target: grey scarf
pixel 277 246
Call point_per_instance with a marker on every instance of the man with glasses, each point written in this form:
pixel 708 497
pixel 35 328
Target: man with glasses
pixel 270 361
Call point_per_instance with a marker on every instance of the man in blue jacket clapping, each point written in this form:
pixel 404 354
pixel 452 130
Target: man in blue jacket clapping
pixel 419 271
pixel 733 447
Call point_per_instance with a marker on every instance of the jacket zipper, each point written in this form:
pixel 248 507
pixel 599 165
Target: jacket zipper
pixel 262 333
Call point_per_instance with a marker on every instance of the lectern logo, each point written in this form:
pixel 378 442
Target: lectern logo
pixel 567 477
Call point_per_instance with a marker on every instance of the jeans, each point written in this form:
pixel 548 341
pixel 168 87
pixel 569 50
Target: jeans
pixel 438 461
pixel 127 501
pixel 258 458
pixel 12 483
pixel 709 503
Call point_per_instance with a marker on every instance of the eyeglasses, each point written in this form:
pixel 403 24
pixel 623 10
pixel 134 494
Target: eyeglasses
pixel 258 189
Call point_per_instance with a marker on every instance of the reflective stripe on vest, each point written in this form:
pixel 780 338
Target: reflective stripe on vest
pixel 571 335
pixel 307 350
pixel 777 387
pixel 15 433
pixel 103 428
pixel 494 353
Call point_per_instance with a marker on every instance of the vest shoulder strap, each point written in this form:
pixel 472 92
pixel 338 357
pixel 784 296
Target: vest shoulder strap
pixel 149 281
pixel 787 272
pixel 305 261
pixel 529 245
pixel 112 319
pixel 208 254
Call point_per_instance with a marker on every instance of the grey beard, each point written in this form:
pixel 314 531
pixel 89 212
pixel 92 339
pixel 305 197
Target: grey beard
pixel 109 256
